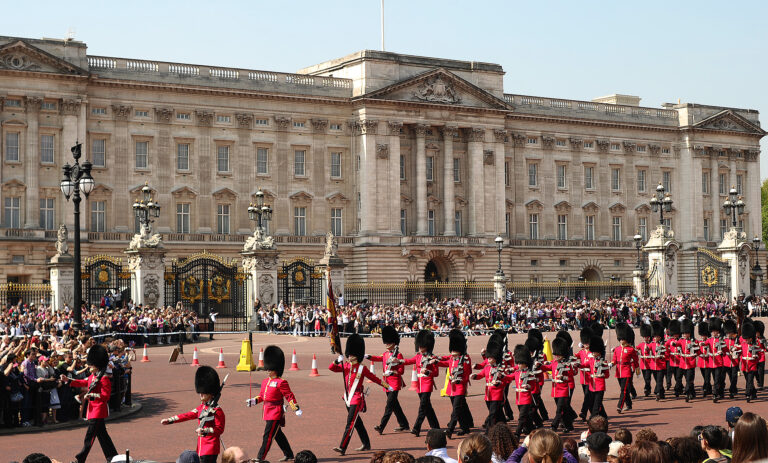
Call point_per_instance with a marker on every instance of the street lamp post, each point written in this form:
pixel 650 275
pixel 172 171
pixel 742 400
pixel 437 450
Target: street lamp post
pixel 146 210
pixel 260 212
pixel 734 205
pixel 756 269
pixel 499 245
pixel 638 245
pixel 77 179
pixel 661 202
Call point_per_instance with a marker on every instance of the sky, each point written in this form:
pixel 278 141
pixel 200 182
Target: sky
pixel 698 51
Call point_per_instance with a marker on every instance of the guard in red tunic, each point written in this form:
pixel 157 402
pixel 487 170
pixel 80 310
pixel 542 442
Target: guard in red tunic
pixel 673 348
pixel 496 380
pixel 526 384
pixel 703 359
pixel 562 376
pixel 626 361
pixel 393 368
pixel 274 390
pixel 508 363
pixel 582 356
pixel 645 358
pixel 572 361
pixel 760 338
pixel 535 344
pixel 733 354
pixel 426 371
pixel 659 353
pixel 99 389
pixel 460 368
pixel 354 376
pixel 688 349
pixel 750 356
pixel 209 415
pixel 598 370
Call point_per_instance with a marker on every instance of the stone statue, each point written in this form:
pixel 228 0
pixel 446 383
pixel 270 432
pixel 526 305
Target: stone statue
pixel 62 247
pixel 258 241
pixel 331 245
pixel 145 239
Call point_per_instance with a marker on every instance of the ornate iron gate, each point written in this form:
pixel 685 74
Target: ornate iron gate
pixel 102 275
pixel 651 282
pixel 300 281
pixel 207 283
pixel 714 273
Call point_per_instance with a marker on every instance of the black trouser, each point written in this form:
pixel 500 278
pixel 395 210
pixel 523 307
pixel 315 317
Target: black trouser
pixel 540 407
pixel 354 423
pixel 625 393
pixel 527 419
pixel 426 411
pixel 733 373
pixel 495 413
pixel 587 404
pixel 97 430
pixel 563 413
pixel 273 431
pixel 690 377
pixel 678 381
pixel 718 381
pixel 761 374
pixel 749 378
pixel 597 404
pixel 706 375
pixel 393 406
pixel 659 390
pixel 668 374
pixel 647 375
pixel 507 407
pixel 208 458
pixel 459 414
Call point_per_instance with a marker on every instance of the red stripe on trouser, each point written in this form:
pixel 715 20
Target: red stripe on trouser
pixel 624 392
pixel 348 431
pixel 271 436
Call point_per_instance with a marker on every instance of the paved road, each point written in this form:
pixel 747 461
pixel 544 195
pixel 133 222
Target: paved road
pixel 166 390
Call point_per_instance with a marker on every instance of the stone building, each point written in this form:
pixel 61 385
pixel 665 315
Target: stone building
pixel 415 163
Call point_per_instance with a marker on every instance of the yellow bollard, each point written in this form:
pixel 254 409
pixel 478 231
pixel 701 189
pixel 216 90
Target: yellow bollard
pixel 246 358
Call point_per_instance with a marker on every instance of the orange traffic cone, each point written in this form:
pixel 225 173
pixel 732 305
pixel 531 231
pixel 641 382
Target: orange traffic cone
pixel 373 372
pixel 221 359
pixel 294 365
pixel 195 361
pixel 260 366
pixel 414 380
pixel 145 357
pixel 314 371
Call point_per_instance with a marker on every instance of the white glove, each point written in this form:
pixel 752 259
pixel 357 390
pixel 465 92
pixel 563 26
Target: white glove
pixel 340 359
pixel 390 389
pixel 250 402
pixel 299 412
pixel 367 356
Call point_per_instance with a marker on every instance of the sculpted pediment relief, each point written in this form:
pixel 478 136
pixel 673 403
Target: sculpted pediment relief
pixel 729 121
pixel 21 56
pixel 224 193
pixel 439 87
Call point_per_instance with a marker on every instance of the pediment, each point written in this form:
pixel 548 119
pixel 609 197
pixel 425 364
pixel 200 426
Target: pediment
pixel 590 206
pixel 336 197
pixel 136 190
pixel 184 190
pixel 301 196
pixel 405 199
pixel 643 208
pixel 439 87
pixel 534 204
pixel 14 183
pixel 564 206
pixel 224 193
pixel 432 199
pixel 21 56
pixel 268 194
pixel 729 121
pixel 617 208
pixel 100 188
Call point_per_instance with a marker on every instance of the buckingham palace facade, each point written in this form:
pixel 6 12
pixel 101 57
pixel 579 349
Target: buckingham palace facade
pixel 415 163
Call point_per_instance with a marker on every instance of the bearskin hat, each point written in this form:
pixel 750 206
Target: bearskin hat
pixel 97 356
pixel 704 329
pixel 425 339
pixel 389 335
pixel 565 336
pixel 760 327
pixel 622 331
pixel 560 347
pixel 355 347
pixel 274 360
pixel 536 333
pixel 207 380
pixel 674 328
pixel 522 355
pixel 597 345
pixel 585 336
pixel 665 322
pixel 533 345
pixel 457 342
pixel 686 327
pixel 597 329
pixel 748 330
pixel 657 328
pixel 715 324
pixel 495 350
pixel 631 337
pixel 729 326
pixel 500 336
pixel 645 330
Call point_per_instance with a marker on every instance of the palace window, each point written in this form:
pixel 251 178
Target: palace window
pixel 722 189
pixel 562 227
pixel 262 161
pixel 222 158
pixel 431 222
pixel 617 229
pixel 457 222
pixel 47 213
pixel 298 163
pixel 402 167
pixel 615 179
pixel 723 227
pixel 299 124
pixel 667 224
pixel 456 170
pixel 589 227
pixel 532 140
pixel 335 165
pixel 615 147
pixel 589 180
pixel 336 221
pixel 98 216
pixel 533 179
pixel 506 173
pixel 335 126
pixel 47 148
pixel 99 111
pixel 222 219
pixel 183 116
pixel 430 168
pixel 705 183
pixel 589 144
pixel 641 148
pixel 403 222
pixel 561 171
pixel 508 223
pixel 559 142
pixel 48 106
pixel 12 212
pixel 300 221
pixel 182 156
pixel 142 154
pixel 99 152
pixel 706 229
pixel 12 103
pixel 141 113
pixel 261 121
pixel 666 180
pixel 642 227
pixel 182 217
pixel 533 226
pixel 224 119
pixel 739 184
pixel 641 174
pixel 12 146
pixel 665 151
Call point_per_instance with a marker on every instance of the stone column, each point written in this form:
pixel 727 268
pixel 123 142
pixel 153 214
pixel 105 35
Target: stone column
pixel 476 183
pixel 394 177
pixel 662 255
pixel 499 286
pixel 637 282
pixel 261 267
pixel 319 175
pixel 283 213
pixel 62 276
pixel 500 208
pixel 368 176
pixel 70 109
pixel 449 208
pixel 30 158
pixel 121 195
pixel 735 250
pixel 147 266
pixel 421 180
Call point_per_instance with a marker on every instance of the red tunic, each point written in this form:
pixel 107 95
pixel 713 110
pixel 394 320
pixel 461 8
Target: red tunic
pixel 731 344
pixel 644 355
pixel 459 387
pixel 99 407
pixel 582 356
pixel 350 374
pixel 596 379
pixel 626 361
pixel 560 383
pixel 689 350
pixel 396 378
pixel 671 345
pixel 272 393
pixel 494 390
pixel 425 375
pixel 704 354
pixel 208 444
pixel 525 387
pixel 660 359
pixel 717 349
pixel 749 360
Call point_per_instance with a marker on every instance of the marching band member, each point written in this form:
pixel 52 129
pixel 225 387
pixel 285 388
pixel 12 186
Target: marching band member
pixel 562 377
pixel 209 415
pixel 598 370
pixel 645 359
pixel 750 355
pixel 626 361
pixel 460 368
pixel 426 371
pixel 704 358
pixel 393 369
pixel 273 390
pixel 716 360
pixel 582 356
pixel 688 349
pixel 525 384
pixel 496 378
pixel 354 372
pixel 731 359
pixel 659 352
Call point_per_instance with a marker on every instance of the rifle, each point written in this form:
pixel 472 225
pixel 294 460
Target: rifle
pixel 457 374
pixel 212 405
pixel 392 361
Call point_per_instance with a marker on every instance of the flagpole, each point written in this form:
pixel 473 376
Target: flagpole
pixel 382 25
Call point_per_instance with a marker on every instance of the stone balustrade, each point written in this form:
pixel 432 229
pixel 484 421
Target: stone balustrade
pixel 540 105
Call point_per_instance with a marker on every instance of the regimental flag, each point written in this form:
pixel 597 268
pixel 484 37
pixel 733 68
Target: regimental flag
pixel 331 304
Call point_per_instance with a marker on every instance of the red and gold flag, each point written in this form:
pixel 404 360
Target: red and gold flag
pixel 331 304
